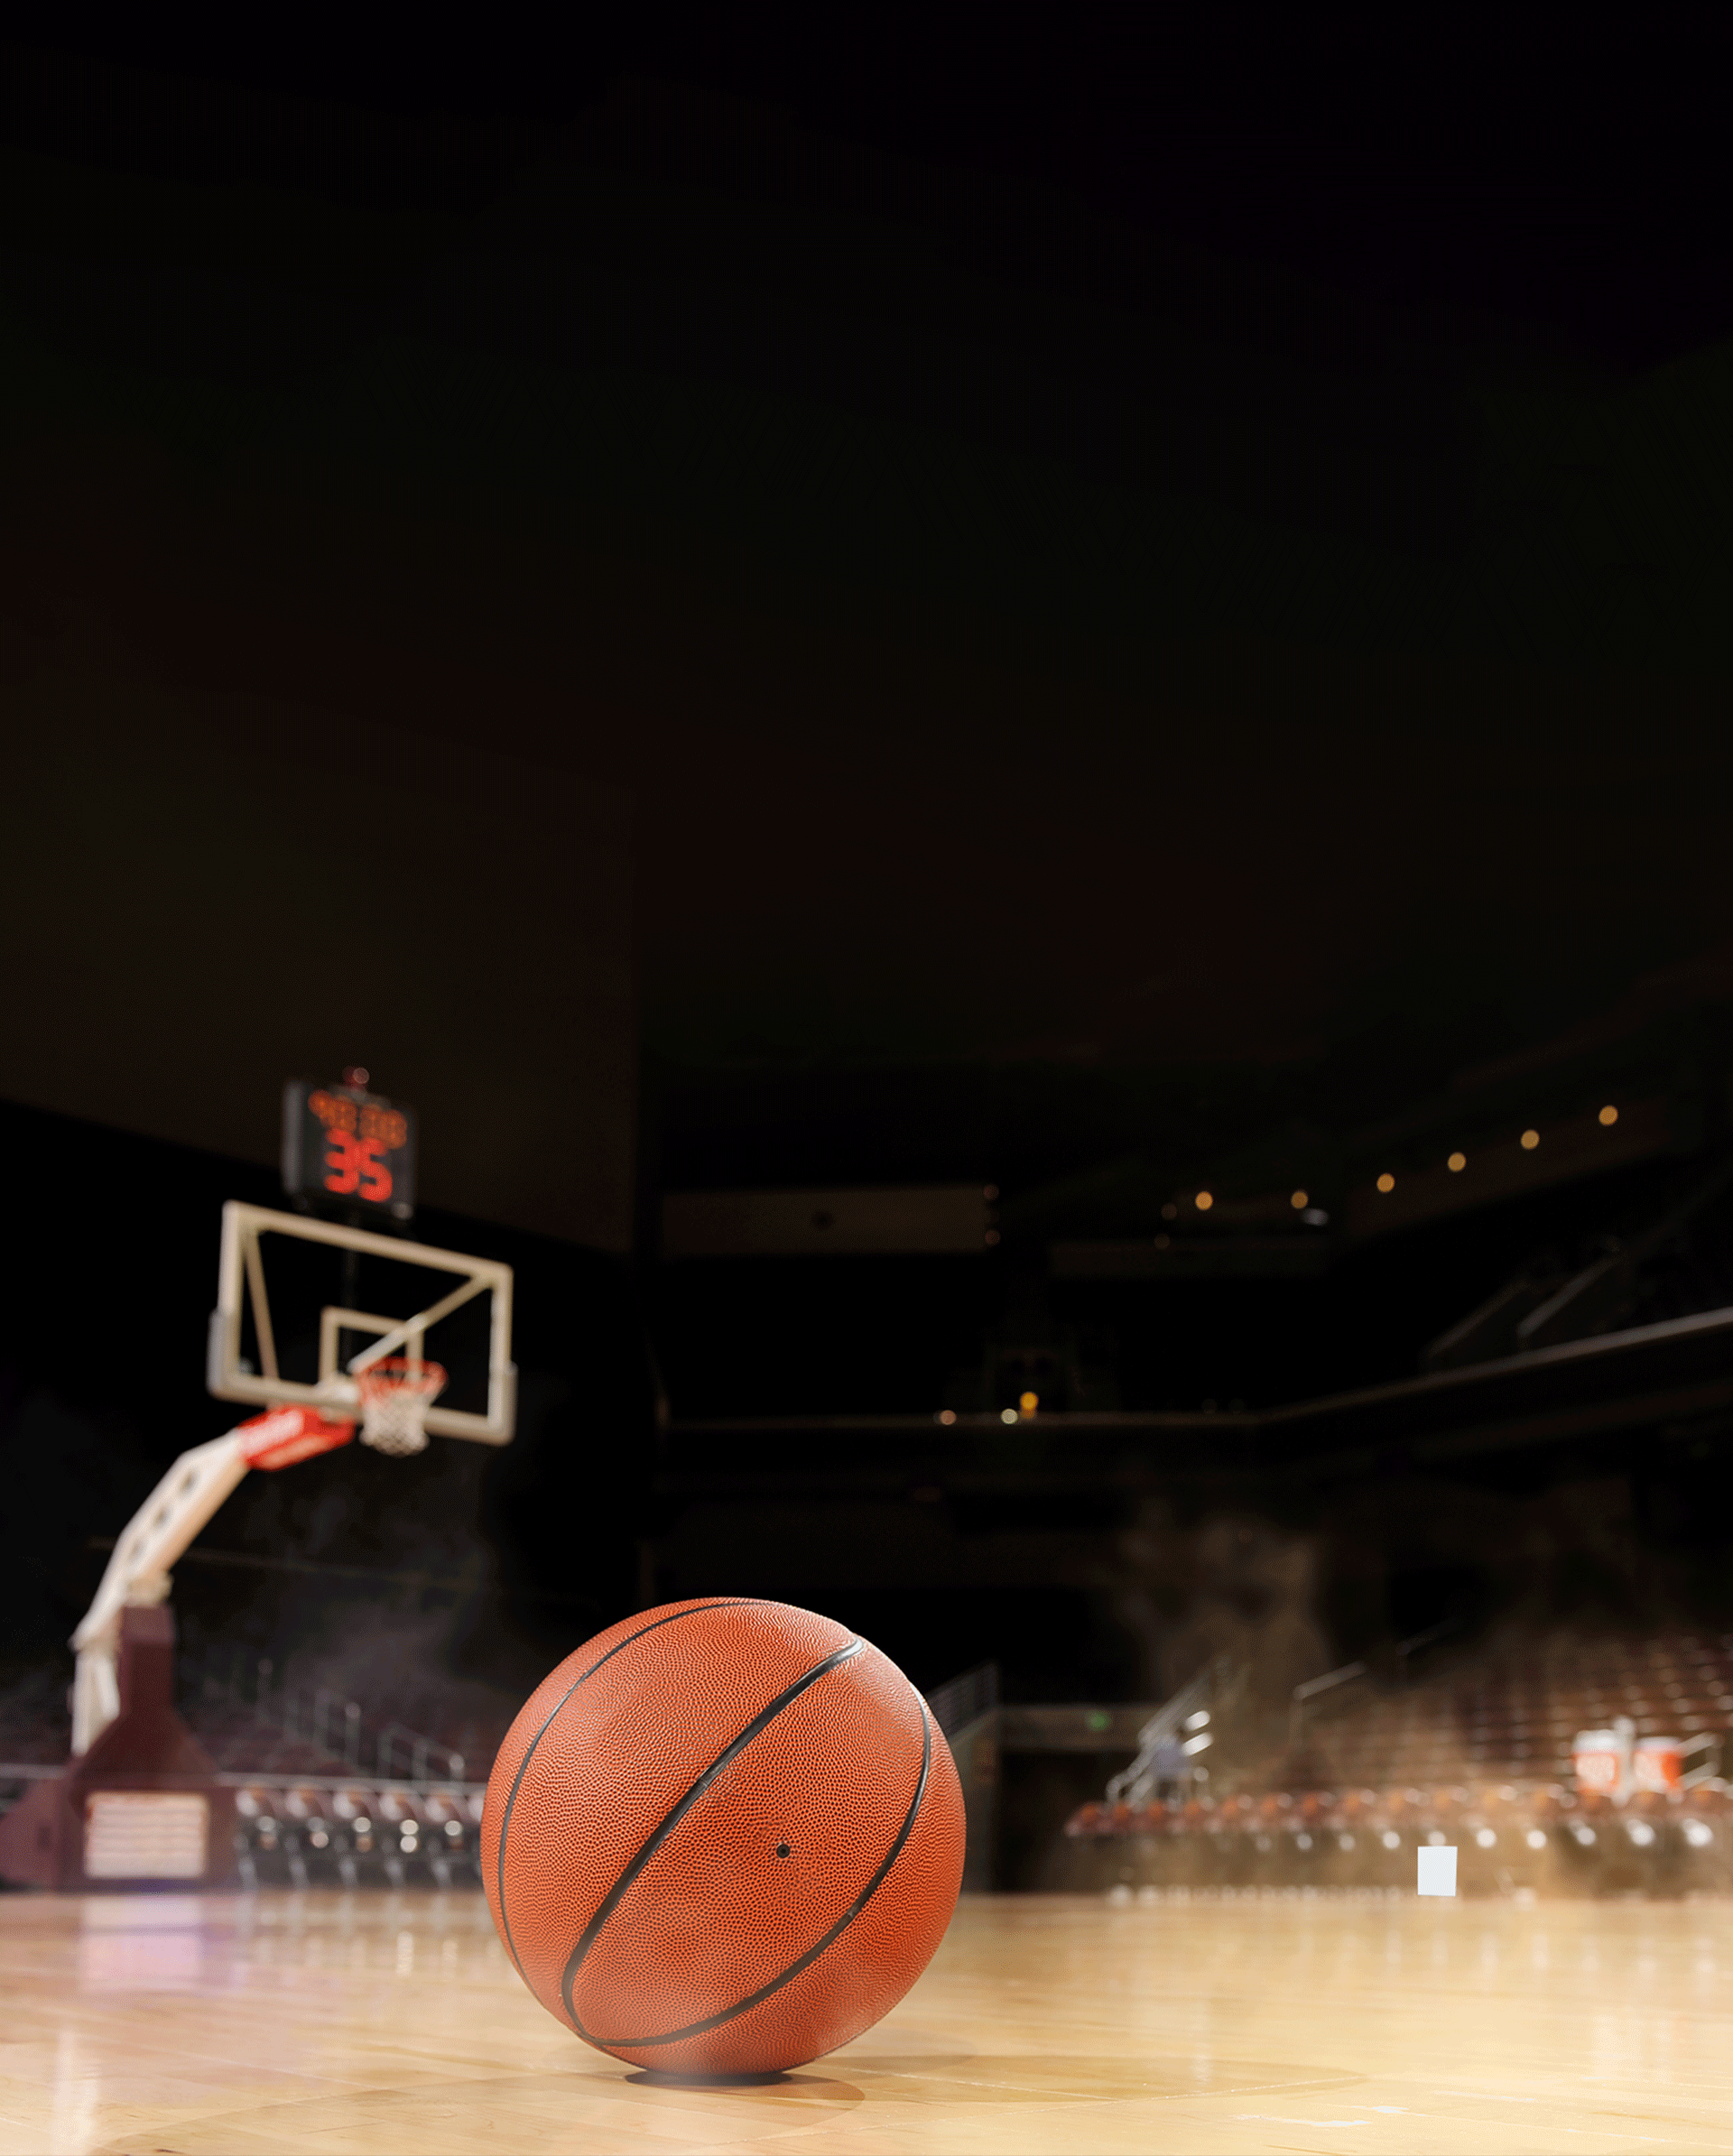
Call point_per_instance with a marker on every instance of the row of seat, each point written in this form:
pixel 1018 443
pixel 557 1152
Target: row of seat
pixel 357 1835
pixel 1402 1810
pixel 1517 1711
pixel 1548 1840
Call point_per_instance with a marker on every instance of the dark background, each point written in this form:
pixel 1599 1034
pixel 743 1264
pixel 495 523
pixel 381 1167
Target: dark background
pixel 1155 595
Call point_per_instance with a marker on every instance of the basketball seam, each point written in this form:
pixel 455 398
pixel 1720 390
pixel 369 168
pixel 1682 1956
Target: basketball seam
pixel 801 1962
pixel 696 1609
pixel 732 1750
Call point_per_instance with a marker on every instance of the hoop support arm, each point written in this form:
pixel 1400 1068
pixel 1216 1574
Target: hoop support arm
pixel 167 1522
pixel 159 1534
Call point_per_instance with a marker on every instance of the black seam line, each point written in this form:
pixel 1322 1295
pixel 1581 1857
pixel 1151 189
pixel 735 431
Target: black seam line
pixel 734 1602
pixel 813 1952
pixel 731 1751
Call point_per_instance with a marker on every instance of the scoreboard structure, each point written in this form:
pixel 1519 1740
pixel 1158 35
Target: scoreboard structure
pixel 344 1148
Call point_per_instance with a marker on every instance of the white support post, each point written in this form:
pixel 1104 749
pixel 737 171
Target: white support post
pixel 137 1574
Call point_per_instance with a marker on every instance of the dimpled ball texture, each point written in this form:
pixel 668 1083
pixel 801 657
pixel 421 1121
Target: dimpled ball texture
pixel 723 1837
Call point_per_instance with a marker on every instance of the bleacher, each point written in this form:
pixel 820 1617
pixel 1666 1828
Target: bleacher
pixel 1513 1716
pixel 325 1794
pixel 296 1724
pixel 35 1720
pixel 278 1715
pixel 1479 1757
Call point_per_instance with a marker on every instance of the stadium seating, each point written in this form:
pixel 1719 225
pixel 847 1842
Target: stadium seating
pixel 1479 1758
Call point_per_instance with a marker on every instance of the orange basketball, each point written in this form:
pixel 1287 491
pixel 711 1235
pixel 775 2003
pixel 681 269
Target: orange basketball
pixel 722 1838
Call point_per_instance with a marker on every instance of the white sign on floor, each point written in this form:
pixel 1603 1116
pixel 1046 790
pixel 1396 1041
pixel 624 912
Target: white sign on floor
pixel 1437 1871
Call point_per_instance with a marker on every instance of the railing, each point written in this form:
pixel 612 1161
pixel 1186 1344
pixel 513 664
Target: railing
pixel 965 1699
pixel 1309 1690
pixel 1179 1727
pixel 329 1781
pixel 395 1740
pixel 324 1702
pixel 324 1720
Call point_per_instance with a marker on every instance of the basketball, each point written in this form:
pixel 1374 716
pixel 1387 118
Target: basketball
pixel 724 1837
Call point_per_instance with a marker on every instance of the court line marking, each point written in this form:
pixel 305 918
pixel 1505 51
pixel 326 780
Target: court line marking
pixel 1278 2118
pixel 1651 2140
pixel 1605 2132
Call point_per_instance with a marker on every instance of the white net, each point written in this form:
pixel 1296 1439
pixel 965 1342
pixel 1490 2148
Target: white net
pixel 395 1395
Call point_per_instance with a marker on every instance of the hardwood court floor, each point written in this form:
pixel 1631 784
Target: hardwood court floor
pixel 393 2026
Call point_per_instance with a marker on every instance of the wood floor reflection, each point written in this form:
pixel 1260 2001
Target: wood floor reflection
pixel 357 2025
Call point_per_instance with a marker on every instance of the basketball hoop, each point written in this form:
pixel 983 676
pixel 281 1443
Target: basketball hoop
pixel 395 1395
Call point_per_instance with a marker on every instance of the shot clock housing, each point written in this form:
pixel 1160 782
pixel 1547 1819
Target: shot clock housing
pixel 349 1151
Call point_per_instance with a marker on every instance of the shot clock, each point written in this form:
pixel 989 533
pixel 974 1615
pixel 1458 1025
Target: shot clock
pixel 348 1150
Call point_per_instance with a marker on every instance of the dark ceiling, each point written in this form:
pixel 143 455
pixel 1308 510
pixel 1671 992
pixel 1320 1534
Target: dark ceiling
pixel 1071 583
pixel 1129 592
pixel 1564 174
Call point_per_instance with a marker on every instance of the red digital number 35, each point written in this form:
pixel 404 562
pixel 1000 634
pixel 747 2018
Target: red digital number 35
pixel 355 1166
